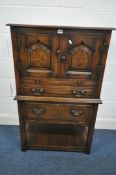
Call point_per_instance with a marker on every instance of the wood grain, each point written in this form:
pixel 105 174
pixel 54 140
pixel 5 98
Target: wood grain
pixel 58 99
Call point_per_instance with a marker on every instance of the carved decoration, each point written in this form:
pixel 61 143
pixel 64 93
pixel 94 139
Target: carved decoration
pixel 80 57
pixel 18 43
pixel 39 54
pixel 99 67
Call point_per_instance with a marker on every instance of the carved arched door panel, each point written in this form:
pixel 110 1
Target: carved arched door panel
pixel 37 54
pixel 80 58
pixel 81 54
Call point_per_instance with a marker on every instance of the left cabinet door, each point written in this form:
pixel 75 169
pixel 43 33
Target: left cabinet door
pixel 35 53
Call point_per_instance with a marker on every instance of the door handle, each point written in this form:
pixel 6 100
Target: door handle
pixel 58 52
pixel 63 58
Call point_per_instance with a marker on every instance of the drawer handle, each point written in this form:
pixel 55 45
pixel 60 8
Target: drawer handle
pixel 37 81
pixel 76 112
pixel 38 111
pixel 37 91
pixel 78 93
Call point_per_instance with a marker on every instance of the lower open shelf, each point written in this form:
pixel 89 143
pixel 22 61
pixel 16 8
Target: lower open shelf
pixel 56 136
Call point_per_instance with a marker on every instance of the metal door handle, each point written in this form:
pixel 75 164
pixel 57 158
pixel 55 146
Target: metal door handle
pixel 58 52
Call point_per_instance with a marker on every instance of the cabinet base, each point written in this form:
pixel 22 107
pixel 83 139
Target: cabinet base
pixel 84 150
pixel 56 137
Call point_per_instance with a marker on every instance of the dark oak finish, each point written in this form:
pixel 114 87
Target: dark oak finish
pixel 59 72
pixel 58 91
pixel 65 112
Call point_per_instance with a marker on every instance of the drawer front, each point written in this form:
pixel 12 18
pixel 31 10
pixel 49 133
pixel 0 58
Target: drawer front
pixel 59 82
pixel 62 91
pixel 57 112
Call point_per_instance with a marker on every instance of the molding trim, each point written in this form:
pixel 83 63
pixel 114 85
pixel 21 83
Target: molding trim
pixel 106 123
pixel 9 119
pixel 101 123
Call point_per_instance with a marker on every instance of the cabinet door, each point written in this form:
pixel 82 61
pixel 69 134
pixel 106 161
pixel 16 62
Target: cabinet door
pixel 35 52
pixel 81 54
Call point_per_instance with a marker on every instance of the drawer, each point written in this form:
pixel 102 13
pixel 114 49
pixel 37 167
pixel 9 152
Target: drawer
pixel 59 82
pixel 62 91
pixel 57 112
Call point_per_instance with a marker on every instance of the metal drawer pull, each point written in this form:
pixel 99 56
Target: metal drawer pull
pixel 78 93
pixel 37 91
pixel 76 112
pixel 38 111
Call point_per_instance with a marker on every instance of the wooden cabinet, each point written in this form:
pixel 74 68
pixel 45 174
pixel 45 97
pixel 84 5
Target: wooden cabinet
pixel 59 72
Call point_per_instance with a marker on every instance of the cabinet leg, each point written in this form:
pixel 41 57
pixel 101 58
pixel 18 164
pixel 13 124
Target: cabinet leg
pixel 88 151
pixel 23 148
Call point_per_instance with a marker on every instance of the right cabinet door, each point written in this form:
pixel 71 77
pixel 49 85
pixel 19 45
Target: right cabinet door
pixel 81 54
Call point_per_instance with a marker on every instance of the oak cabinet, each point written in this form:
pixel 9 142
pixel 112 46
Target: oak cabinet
pixel 59 73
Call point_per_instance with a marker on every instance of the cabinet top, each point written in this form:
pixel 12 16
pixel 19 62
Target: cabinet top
pixel 65 27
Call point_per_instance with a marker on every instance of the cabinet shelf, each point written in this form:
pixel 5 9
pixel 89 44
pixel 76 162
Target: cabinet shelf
pixel 44 135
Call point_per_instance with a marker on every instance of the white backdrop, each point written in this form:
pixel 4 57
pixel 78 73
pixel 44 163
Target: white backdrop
pixel 97 13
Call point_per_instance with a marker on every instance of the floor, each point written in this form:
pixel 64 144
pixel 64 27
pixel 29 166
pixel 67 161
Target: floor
pixel 101 161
